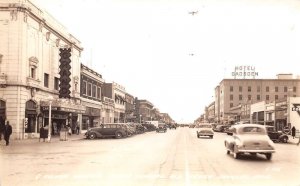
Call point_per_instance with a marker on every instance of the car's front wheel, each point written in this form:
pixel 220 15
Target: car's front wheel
pixel 92 136
pixel 119 135
pixel 285 139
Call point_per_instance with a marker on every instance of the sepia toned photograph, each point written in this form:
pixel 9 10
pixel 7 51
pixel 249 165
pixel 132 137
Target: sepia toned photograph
pixel 149 92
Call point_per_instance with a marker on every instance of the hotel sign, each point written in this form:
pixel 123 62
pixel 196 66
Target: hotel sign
pixel 244 71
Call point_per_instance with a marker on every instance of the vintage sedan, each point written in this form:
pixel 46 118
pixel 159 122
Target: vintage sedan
pixel 277 136
pixel 161 128
pixel 117 130
pixel 251 139
pixel 205 130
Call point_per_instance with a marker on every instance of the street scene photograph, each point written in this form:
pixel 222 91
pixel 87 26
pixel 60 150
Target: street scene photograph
pixel 149 93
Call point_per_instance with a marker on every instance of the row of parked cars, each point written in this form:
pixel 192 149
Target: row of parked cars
pixel 118 130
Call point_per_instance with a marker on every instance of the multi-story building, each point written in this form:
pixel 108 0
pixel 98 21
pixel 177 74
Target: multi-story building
pixel 34 77
pixel 108 110
pixel 143 110
pixel 210 112
pixel 129 108
pixel 117 93
pixel 233 92
pixel 91 95
pixel 166 118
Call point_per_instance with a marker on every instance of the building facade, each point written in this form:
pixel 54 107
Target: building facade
pixel 144 108
pixel 91 95
pixel 117 93
pixel 129 108
pixel 233 92
pixel 40 69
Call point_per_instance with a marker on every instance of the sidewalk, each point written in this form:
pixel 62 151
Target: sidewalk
pixel 54 139
pixel 293 141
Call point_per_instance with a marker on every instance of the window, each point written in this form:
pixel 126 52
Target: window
pixel 285 96
pixel 249 89
pixel 276 89
pixel 267 97
pixel 231 88
pixel 267 89
pixel 32 72
pixel 285 89
pixel 249 97
pixel 84 87
pixel 94 91
pixel 56 83
pixel 231 97
pixel 231 105
pixel 98 92
pixel 258 89
pixel 46 80
pixel 240 88
pixel 258 97
pixel 240 97
pixel 276 97
pixel 89 89
pixel 294 89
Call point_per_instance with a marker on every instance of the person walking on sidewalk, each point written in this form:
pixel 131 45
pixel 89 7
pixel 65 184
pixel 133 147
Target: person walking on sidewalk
pixel 2 128
pixel 7 132
pixel 293 132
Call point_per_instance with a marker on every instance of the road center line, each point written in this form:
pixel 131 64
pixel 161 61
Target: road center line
pixel 186 161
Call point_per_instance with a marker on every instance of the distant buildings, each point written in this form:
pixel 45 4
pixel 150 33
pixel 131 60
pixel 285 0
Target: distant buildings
pixel 234 97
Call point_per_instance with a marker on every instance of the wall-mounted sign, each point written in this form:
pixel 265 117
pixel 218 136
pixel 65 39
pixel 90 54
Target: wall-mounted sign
pixel 244 71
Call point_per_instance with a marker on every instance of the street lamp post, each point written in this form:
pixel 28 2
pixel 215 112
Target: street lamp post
pixel 50 98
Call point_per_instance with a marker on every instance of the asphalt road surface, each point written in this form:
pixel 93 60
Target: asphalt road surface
pixel 176 157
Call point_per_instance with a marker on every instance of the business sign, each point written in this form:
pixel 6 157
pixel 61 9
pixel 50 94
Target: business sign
pixel 244 71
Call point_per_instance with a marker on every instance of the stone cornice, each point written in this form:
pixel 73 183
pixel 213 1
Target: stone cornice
pixel 34 12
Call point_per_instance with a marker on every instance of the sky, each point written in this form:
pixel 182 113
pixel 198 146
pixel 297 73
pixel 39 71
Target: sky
pixel 161 52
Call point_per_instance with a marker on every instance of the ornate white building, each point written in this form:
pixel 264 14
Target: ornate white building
pixel 30 70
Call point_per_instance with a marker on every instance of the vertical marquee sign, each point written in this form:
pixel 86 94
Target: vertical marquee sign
pixel 64 85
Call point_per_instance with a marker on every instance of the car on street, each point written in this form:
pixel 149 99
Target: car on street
pixel 249 139
pixel 117 130
pixel 173 126
pixel 220 128
pixel 205 130
pixel 161 128
pixel 277 136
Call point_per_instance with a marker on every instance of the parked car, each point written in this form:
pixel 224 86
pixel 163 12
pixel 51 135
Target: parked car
pixel 161 128
pixel 249 138
pixel 205 130
pixel 220 128
pixel 149 127
pixel 108 130
pixel 277 136
pixel 173 126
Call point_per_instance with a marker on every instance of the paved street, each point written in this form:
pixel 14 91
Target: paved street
pixel 177 157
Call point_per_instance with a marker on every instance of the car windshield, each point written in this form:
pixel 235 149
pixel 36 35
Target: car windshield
pixel 253 130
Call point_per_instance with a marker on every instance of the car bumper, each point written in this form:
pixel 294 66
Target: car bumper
pixel 255 151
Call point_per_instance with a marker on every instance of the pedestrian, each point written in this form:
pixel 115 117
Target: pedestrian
pixel 77 128
pixel 2 128
pixel 43 133
pixel 293 131
pixel 7 132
